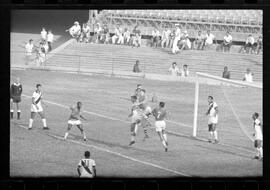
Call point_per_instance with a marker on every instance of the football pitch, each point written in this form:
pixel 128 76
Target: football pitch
pixel 106 105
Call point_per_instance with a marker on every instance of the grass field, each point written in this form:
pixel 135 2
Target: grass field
pixel 106 106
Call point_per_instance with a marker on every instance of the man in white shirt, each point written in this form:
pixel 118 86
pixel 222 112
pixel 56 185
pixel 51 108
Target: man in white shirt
pixel 85 34
pixel 43 34
pixel 127 36
pixel 98 32
pixel 199 41
pixel 36 107
pixel 28 51
pixel 185 71
pixel 75 30
pixel 174 70
pixel 87 167
pixel 248 76
pixel 249 43
pixel 227 42
pixel 177 37
pixel 155 36
pixel 50 40
pixel 121 36
pixel 209 39
pixel 116 34
pixel 165 38
pixel 212 113
pixel 258 141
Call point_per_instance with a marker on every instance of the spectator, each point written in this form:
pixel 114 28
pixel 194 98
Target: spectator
pixel 116 34
pixel 185 43
pixel 174 69
pixel 75 30
pixel 155 37
pixel 177 37
pixel 126 37
pixel 248 76
pixel 136 67
pixel 46 46
pixel 259 44
pixel 87 166
pixel 98 33
pixel 165 38
pixel 50 39
pixel 28 51
pixel 226 74
pixel 171 38
pixel 106 32
pixel 121 36
pixel 226 45
pixel 43 34
pixel 41 54
pixel 136 37
pixel 85 35
pixel 199 41
pixel 185 71
pixel 209 39
pixel 249 44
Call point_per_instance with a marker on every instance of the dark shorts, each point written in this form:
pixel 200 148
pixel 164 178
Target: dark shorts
pixel 258 143
pixel 212 127
pixel 16 99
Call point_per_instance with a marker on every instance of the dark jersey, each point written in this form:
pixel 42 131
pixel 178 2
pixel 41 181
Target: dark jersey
pixel 159 114
pixel 16 90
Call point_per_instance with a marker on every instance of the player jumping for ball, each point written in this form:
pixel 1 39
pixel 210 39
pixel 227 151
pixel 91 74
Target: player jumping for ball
pixel 15 95
pixel 74 119
pixel 160 114
pixel 136 116
pixel 212 112
pixel 258 136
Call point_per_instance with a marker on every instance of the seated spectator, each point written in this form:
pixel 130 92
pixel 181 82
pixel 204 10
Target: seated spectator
pixel 226 74
pixel 171 38
pixel 249 44
pixel 209 40
pixel 259 44
pixel 106 34
pixel 155 37
pixel 165 38
pixel 184 71
pixel 75 30
pixel 227 42
pixel 116 34
pixel 85 34
pixel 199 41
pixel 136 39
pixel 185 43
pixel 174 70
pixel 121 36
pixel 126 37
pixel 98 33
pixel 248 76
pixel 136 67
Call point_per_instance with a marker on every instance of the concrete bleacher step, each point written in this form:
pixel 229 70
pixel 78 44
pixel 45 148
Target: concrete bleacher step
pixel 122 58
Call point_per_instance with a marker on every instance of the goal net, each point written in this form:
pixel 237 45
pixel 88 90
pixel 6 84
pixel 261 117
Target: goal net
pixel 236 100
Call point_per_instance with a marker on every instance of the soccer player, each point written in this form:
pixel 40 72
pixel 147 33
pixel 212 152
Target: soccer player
pixel 15 95
pixel 87 166
pixel 36 107
pixel 212 112
pixel 160 114
pixel 258 136
pixel 136 116
pixel 74 119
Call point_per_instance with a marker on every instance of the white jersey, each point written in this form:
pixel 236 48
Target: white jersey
pixel 29 48
pixel 228 38
pixel 76 29
pixel 178 34
pixel 43 34
pixel 258 130
pixel 37 99
pixel 50 37
pixel 213 116
pixel 249 77
pixel 174 71
pixel 89 163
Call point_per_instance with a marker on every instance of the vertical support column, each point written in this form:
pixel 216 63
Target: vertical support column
pixel 196 107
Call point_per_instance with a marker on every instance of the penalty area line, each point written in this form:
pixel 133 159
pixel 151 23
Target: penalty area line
pixel 114 153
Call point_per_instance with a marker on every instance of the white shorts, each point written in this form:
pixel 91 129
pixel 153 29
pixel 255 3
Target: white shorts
pixel 160 125
pixel 74 122
pixel 213 120
pixel 37 108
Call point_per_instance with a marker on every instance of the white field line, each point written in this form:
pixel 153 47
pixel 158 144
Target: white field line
pixel 124 121
pixel 116 153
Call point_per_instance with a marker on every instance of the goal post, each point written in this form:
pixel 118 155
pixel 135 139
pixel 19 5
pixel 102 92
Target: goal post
pixel 219 81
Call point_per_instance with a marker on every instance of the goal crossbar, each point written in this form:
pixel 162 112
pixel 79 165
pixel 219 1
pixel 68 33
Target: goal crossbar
pixel 205 75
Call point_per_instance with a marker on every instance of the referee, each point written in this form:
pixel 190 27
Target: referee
pixel 15 96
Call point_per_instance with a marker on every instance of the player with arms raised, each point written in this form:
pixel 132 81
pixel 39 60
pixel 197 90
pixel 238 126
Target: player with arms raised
pixel 212 113
pixel 15 95
pixel 36 107
pixel 258 136
pixel 160 114
pixel 74 119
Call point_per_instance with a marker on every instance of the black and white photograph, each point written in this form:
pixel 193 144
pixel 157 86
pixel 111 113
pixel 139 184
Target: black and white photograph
pixel 136 93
